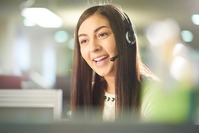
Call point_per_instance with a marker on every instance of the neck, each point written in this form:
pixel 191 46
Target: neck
pixel 110 84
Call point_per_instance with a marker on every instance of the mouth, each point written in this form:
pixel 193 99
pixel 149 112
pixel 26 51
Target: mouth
pixel 99 59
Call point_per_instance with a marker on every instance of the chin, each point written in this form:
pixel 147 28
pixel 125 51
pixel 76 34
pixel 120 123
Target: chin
pixel 101 74
pixel 105 72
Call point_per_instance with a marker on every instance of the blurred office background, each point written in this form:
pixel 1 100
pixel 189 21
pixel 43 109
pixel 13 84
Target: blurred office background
pixel 38 54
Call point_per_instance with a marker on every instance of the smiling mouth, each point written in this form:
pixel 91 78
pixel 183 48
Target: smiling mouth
pixel 100 59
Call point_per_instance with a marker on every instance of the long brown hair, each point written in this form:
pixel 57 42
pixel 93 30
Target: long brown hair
pixel 88 88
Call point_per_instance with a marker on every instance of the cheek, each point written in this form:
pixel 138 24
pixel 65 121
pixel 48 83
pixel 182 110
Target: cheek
pixel 84 54
pixel 86 58
pixel 113 47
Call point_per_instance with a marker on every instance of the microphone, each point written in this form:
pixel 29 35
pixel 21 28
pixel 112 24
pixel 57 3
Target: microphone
pixel 114 57
pixel 121 52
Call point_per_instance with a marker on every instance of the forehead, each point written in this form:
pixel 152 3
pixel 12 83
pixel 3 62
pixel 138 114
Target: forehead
pixel 93 22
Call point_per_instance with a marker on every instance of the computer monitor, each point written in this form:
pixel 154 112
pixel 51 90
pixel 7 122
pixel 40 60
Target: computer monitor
pixel 30 105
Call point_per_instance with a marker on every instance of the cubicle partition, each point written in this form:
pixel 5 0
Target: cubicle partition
pixel 30 105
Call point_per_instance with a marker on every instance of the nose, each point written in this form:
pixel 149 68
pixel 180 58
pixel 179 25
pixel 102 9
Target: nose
pixel 94 46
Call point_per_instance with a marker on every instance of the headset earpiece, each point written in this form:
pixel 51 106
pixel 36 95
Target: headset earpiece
pixel 130 36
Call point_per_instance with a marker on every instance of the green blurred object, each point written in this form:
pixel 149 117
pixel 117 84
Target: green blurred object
pixel 170 104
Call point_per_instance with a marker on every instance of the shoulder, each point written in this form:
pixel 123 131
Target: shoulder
pixel 149 88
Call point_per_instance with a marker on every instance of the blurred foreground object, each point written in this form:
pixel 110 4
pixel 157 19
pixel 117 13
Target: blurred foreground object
pixel 174 98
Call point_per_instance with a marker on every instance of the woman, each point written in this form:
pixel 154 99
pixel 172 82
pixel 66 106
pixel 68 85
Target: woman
pixel 107 70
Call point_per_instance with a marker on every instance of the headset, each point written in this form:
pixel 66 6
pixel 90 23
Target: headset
pixel 130 35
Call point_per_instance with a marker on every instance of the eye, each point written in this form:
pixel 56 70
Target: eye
pixel 102 35
pixel 83 41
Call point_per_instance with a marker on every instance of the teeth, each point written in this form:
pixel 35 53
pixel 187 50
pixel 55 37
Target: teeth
pixel 100 58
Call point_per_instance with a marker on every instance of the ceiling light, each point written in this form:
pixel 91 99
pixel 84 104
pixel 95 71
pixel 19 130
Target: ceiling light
pixel 61 36
pixel 195 19
pixel 187 36
pixel 42 17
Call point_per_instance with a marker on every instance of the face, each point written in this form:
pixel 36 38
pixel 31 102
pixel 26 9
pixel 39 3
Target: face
pixel 97 44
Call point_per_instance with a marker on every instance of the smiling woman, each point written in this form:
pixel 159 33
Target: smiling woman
pixel 97 44
pixel 107 65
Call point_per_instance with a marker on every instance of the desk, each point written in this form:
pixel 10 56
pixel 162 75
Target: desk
pixel 96 127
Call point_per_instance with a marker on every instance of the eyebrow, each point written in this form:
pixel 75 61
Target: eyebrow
pixel 94 31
